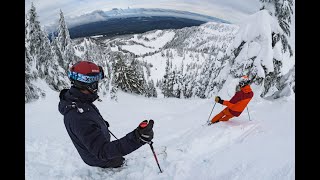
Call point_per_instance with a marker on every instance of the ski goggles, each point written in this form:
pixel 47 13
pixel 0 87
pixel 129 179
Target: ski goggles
pixel 84 78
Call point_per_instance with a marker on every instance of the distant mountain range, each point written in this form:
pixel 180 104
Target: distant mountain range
pixel 130 21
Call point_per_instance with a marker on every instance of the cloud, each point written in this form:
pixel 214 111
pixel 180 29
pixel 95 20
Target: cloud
pixel 230 10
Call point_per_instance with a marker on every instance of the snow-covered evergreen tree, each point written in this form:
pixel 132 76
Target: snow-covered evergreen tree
pixel 287 86
pixel 282 10
pixel 65 44
pixel 32 92
pixel 126 77
pixel 188 85
pixel 33 32
pixel 56 76
pixel 36 42
pixel 165 83
pixel 256 53
pixel 150 89
pixel 178 86
pixel 37 52
pixel 113 90
pixel 204 78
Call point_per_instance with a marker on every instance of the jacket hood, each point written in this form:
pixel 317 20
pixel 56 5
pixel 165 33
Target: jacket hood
pixel 69 98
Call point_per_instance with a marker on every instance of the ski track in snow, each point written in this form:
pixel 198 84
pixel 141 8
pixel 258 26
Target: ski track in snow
pixel 185 148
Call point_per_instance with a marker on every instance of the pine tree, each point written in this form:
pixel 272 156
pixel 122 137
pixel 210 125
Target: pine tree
pixel 86 55
pixel 33 32
pixel 46 56
pixel 137 68
pixel 182 67
pixel 165 82
pixel 178 84
pixel 264 67
pixel 65 44
pixel 58 55
pixel 188 85
pixel 151 90
pixel 282 10
pixel 170 82
pixel 126 76
pixel 37 42
pixel 204 78
pixel 37 54
pixel 113 89
pixel 167 66
pixel 31 91
pixel 56 76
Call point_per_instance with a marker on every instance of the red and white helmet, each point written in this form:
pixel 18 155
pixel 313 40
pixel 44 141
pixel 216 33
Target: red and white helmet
pixel 244 80
pixel 86 75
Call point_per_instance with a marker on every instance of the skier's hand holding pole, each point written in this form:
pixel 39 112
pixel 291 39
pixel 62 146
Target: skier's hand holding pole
pixel 144 133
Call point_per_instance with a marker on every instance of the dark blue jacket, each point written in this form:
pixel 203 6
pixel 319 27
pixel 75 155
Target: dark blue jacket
pixel 88 130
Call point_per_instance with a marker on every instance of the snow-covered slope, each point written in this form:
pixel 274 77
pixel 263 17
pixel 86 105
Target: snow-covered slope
pixel 183 47
pixel 201 59
pixel 204 57
pixel 201 62
pixel 262 148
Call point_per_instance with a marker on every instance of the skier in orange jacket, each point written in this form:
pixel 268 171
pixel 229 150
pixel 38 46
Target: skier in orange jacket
pixel 236 104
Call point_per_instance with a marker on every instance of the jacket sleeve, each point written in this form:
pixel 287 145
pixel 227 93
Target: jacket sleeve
pixel 90 134
pixel 236 98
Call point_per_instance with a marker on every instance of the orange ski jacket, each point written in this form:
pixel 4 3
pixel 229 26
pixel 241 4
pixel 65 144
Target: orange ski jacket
pixel 239 101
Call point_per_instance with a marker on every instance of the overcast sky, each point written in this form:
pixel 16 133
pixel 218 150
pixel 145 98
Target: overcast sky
pixel 230 10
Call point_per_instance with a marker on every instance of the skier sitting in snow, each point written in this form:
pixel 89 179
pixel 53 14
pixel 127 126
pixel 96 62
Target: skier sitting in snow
pixel 237 103
pixel 87 128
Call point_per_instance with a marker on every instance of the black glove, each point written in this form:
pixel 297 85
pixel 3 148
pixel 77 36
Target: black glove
pixel 218 100
pixel 144 132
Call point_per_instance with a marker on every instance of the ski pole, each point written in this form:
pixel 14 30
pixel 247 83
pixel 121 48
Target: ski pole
pixel 110 131
pixel 113 135
pixel 212 110
pixel 150 143
pixel 248 114
pixel 154 154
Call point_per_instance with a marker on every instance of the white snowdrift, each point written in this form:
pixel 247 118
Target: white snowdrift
pixel 238 149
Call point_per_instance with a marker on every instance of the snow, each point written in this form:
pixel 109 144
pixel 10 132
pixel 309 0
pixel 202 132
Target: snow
pixel 263 148
pixel 137 49
pixel 156 40
pixel 159 62
pixel 149 42
pixel 78 52
pixel 96 36
pixel 153 35
pixel 288 64
pixel 114 48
